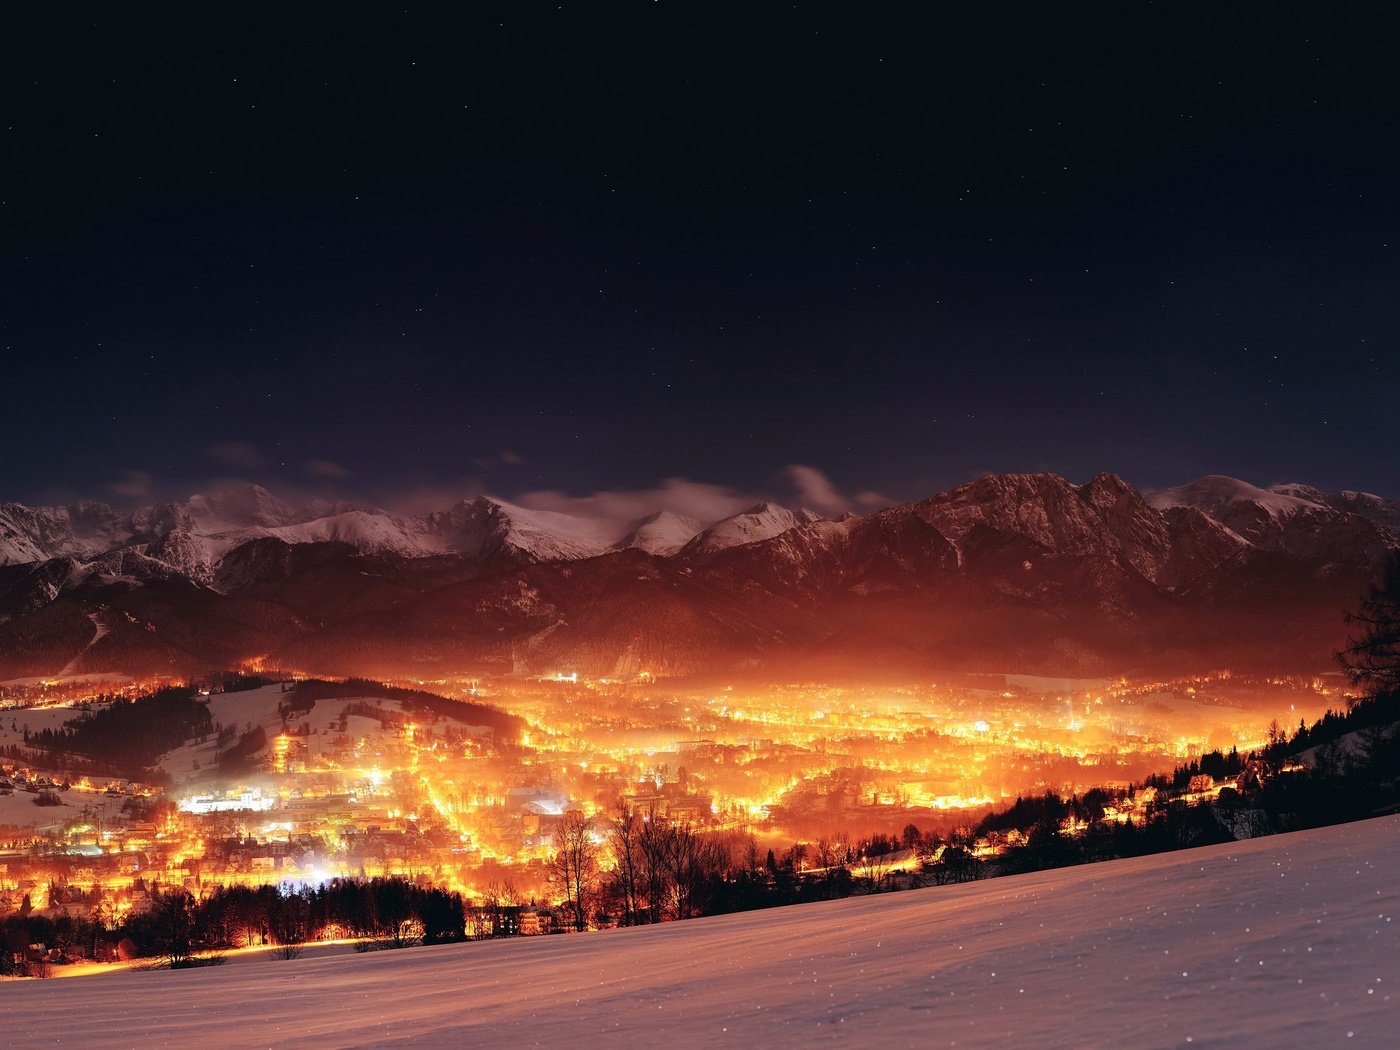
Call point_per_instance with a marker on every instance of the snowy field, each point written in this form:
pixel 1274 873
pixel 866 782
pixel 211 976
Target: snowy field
pixel 1278 942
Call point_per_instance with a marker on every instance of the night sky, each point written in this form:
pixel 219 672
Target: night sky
pixel 565 249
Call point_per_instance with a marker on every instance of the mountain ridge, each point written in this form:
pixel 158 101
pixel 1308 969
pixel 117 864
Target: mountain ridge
pixel 1016 571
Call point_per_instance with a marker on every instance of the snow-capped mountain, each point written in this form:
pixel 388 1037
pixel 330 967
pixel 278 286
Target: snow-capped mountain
pixel 1364 504
pixel 193 536
pixel 662 533
pixel 86 528
pixel 1291 518
pixel 1106 517
pixel 1020 571
pixel 485 528
pixel 760 522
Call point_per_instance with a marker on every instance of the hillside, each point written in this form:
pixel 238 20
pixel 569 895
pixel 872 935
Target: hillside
pixel 1258 943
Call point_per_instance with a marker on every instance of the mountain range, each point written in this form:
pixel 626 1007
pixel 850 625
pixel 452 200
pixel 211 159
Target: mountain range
pixel 1016 572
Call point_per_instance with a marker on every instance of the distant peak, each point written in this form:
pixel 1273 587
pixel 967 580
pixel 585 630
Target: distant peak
pixel 1216 491
pixel 766 507
pixel 1300 491
pixel 1106 480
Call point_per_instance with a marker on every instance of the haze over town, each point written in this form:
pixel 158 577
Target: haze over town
pixel 651 521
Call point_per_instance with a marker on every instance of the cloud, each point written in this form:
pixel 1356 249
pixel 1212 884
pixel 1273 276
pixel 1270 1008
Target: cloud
pixel 816 490
pixel 692 499
pixel 325 468
pixel 702 501
pixel 241 454
pixel 132 484
pixel 867 499
pixel 426 497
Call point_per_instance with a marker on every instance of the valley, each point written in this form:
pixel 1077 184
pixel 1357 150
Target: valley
pixel 465 785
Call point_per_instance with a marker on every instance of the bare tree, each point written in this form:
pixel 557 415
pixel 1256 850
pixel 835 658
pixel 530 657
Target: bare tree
pixel 691 859
pixel 498 897
pixel 625 838
pixel 574 866
pixel 874 871
pixel 842 849
pixel 653 878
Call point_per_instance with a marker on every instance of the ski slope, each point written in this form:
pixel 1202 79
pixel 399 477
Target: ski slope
pixel 1278 942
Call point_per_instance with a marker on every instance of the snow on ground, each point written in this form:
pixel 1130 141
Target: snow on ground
pixel 1277 942
pixel 101 629
pixel 18 809
pixel 197 763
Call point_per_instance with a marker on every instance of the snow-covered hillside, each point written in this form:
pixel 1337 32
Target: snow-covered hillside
pixel 1214 492
pixel 1277 942
pixel 761 522
pixel 1291 518
pixel 1106 515
pixel 34 533
pixel 193 536
pixel 1026 572
pixel 662 533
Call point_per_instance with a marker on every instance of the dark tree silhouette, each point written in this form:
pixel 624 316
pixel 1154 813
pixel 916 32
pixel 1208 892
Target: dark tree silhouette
pixel 1371 658
pixel 174 916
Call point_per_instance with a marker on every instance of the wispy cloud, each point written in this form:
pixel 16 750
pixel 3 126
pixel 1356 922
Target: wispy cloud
pixel 868 499
pixel 693 499
pixel 817 491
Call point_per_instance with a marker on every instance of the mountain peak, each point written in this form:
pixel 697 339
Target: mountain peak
pixel 1215 492
pixel 763 508
pixel 1106 482
pixel 760 522
pixel 662 533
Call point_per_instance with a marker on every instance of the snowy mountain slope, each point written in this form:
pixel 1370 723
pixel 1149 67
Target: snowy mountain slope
pixel 760 522
pixel 1253 944
pixel 1216 493
pixel 368 531
pixel 29 534
pixel 194 536
pixel 1294 519
pixel 484 527
pixel 1367 505
pixel 662 533
pixel 1024 572
pixel 1106 517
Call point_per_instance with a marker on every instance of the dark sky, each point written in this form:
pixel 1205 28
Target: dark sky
pixel 588 250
